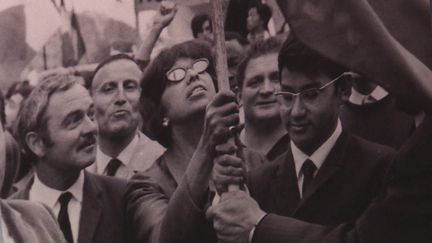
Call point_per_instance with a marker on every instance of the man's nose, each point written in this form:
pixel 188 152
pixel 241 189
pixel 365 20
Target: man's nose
pixel 267 88
pixel 120 98
pixel 89 126
pixel 297 108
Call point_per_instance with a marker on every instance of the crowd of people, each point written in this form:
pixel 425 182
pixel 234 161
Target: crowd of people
pixel 300 149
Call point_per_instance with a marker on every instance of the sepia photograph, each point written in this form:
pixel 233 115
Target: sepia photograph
pixel 215 121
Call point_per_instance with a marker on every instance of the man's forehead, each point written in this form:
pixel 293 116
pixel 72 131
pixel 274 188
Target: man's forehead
pixel 115 70
pixel 294 78
pixel 76 96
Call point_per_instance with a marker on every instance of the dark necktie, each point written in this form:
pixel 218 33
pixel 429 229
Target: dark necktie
pixel 63 216
pixel 308 169
pixel 113 166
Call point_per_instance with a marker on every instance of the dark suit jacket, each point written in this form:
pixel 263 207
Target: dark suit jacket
pixel 103 218
pixel 29 222
pixel 344 186
pixel 402 213
pixel 161 208
pixel 378 122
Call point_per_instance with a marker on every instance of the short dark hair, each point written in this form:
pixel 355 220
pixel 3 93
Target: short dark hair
pixel 257 49
pixel 31 116
pixel 263 10
pixel 154 82
pixel 297 57
pixel 110 59
pixel 197 23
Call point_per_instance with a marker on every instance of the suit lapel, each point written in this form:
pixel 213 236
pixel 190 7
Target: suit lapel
pixel 331 165
pixel 284 187
pixel 91 210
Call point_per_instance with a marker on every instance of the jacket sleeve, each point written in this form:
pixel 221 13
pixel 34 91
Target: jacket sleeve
pixel 146 203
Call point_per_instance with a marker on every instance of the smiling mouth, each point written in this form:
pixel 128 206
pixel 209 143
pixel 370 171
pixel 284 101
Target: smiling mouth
pixel 268 102
pixel 298 126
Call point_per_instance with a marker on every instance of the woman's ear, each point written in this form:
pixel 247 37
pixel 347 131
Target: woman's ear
pixel 36 144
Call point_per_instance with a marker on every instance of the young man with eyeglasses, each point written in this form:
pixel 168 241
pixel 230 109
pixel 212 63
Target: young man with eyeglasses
pixel 328 176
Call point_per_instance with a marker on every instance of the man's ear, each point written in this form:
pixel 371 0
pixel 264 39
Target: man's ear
pixel 344 87
pixel 35 143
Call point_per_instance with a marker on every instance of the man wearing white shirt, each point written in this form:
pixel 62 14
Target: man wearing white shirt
pixel 56 127
pixel 17 217
pixel 328 176
pixel 122 149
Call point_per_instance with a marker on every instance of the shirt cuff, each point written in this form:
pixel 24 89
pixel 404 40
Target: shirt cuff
pixel 251 233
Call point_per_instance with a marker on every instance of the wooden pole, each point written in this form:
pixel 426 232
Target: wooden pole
pixel 221 56
pixel 220 49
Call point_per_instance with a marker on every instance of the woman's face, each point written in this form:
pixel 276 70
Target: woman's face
pixel 183 99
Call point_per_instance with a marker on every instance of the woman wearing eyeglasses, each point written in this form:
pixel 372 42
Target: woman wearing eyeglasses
pixel 189 118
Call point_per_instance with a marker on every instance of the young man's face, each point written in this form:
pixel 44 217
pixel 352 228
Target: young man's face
pixel 309 120
pixel 207 32
pixel 261 80
pixel 71 129
pixel 253 20
pixel 116 92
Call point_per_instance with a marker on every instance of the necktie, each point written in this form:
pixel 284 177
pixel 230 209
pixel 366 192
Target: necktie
pixel 63 216
pixel 113 166
pixel 308 169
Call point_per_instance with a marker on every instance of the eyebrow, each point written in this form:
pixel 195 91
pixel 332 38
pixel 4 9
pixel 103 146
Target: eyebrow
pixel 70 115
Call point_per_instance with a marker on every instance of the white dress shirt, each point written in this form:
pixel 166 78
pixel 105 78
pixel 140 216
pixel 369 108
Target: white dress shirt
pixel 125 157
pixel 318 157
pixel 357 98
pixel 39 192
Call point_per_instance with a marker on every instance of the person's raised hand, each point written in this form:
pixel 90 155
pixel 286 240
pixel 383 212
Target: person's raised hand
pixel 165 15
pixel 222 113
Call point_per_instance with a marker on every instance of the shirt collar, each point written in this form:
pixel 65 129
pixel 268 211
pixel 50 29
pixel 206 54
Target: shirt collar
pixel 358 99
pixel 49 196
pixel 318 157
pixel 125 156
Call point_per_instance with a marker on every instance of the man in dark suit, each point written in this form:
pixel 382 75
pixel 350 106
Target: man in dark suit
pixel 328 175
pixel 55 126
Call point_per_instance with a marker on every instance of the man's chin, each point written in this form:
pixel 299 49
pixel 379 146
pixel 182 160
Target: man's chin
pixel 122 131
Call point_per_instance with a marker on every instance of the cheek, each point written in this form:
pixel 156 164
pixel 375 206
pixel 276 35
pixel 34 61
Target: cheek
pixel 248 95
pixel 207 79
pixel 284 114
pixel 133 98
pixel 171 99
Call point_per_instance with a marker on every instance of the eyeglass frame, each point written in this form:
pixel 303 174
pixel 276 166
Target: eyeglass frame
pixel 320 89
pixel 186 69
